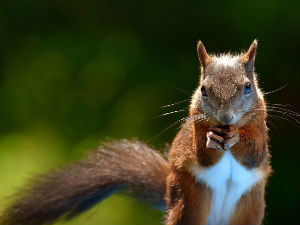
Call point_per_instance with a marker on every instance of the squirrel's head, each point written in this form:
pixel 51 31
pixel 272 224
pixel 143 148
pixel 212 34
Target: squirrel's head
pixel 228 88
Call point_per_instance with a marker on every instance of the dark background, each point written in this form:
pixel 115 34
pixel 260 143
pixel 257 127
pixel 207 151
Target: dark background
pixel 73 73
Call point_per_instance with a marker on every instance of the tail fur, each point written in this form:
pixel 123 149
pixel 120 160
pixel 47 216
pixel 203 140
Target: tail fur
pixel 67 192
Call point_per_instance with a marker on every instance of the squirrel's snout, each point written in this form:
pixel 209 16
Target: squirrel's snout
pixel 225 118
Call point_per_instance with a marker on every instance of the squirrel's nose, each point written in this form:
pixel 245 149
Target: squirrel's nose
pixel 225 118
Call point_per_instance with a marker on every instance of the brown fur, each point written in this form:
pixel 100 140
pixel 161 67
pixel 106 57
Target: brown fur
pixel 183 203
pixel 250 208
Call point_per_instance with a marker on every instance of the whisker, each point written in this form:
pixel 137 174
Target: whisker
pixel 195 118
pixel 297 121
pixel 169 113
pixel 176 103
pixel 291 113
pixel 278 89
pixel 182 91
pixel 283 113
pixel 285 105
pixel 273 125
pixel 280 117
pixel 168 127
pixel 284 110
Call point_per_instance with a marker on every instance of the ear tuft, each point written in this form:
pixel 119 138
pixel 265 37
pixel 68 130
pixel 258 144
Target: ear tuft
pixel 249 57
pixel 202 54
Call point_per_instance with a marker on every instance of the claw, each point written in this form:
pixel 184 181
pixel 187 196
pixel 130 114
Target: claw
pixel 222 138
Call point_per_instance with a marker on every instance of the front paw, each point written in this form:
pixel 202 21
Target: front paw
pixel 232 137
pixel 222 138
pixel 215 140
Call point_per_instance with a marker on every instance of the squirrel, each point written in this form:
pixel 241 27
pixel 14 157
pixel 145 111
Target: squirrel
pixel 215 173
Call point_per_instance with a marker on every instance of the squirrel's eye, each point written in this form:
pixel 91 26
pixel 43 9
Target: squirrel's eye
pixel 203 91
pixel 247 88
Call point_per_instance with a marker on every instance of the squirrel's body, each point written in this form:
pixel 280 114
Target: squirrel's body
pixel 216 170
pixel 226 186
pixel 224 182
pixel 228 181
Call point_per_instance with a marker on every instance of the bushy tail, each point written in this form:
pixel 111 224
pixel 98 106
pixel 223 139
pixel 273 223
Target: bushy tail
pixel 76 188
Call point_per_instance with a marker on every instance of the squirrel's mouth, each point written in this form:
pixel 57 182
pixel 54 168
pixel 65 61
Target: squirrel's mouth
pixel 227 117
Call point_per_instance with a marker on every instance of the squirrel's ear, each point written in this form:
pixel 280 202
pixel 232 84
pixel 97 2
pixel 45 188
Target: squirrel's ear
pixel 249 57
pixel 202 54
pixel 204 58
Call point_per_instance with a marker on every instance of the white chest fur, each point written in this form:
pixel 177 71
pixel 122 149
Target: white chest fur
pixel 228 180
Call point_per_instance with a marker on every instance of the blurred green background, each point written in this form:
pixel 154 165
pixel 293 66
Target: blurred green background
pixel 73 73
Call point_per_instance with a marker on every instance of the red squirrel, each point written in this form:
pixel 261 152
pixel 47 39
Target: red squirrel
pixel 215 173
